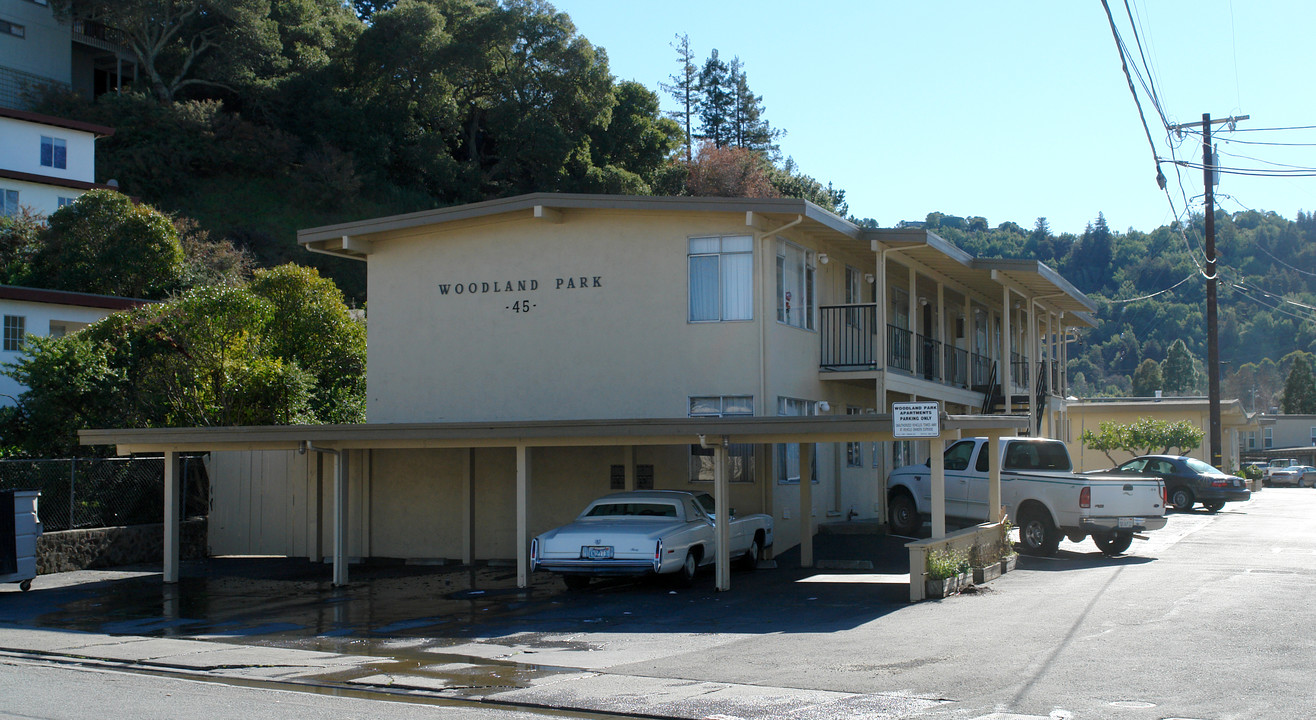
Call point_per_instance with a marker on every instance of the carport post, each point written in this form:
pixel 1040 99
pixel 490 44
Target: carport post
pixel 938 463
pixel 173 486
pixel 522 516
pixel 722 523
pixel 340 518
pixel 806 505
pixel 993 478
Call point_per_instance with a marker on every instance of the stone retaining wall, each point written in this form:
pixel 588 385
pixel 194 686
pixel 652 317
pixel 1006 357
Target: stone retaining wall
pixel 113 546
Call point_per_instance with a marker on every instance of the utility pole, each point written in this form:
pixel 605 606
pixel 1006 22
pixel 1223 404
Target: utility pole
pixel 1212 335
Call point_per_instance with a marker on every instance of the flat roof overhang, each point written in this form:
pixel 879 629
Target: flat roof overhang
pixel 542 433
pixel 355 239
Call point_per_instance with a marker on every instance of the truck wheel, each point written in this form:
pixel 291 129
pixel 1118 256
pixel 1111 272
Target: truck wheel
pixel 1214 506
pixel 1037 533
pixel 1182 499
pixel 1113 543
pixel 902 515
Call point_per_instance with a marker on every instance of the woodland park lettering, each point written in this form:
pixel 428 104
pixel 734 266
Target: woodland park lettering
pixel 576 282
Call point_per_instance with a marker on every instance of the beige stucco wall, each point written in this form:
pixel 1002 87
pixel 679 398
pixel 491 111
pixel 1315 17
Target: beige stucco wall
pixel 436 357
pixel 1089 416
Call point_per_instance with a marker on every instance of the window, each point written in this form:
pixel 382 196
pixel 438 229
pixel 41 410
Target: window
pixel 66 201
pixel 1268 435
pixel 54 153
pixel 795 272
pixel 788 454
pixel 14 332
pixel 1313 437
pixel 8 28
pixel 721 278
pixel 8 202
pixel 900 308
pixel 958 455
pixel 740 456
pixel 854 451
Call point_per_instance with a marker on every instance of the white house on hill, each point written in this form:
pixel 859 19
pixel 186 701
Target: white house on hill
pixel 45 162
pixel 46 313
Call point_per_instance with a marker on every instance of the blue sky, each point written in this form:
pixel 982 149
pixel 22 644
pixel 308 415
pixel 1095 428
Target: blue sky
pixel 1011 109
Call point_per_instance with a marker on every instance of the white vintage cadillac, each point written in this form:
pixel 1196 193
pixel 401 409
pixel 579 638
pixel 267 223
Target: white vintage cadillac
pixel 646 532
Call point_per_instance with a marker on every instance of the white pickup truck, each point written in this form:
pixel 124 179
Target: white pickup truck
pixel 1040 493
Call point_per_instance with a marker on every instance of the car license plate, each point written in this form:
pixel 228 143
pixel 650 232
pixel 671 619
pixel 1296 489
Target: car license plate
pixel 596 552
pixel 1128 522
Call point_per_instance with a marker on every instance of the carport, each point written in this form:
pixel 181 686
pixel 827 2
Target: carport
pixel 527 437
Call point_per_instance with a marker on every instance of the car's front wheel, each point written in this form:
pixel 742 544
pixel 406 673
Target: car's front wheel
pixel 750 560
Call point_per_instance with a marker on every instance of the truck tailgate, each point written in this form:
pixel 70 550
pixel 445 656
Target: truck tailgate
pixel 1122 496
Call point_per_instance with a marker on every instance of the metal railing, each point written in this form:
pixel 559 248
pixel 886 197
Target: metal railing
pixel 957 366
pixel 899 348
pixel 929 357
pixel 849 340
pixel 105 492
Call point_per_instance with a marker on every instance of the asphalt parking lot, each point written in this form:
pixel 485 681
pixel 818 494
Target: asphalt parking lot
pixel 1210 595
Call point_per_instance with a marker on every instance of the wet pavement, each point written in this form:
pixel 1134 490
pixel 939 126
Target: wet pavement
pixel 459 632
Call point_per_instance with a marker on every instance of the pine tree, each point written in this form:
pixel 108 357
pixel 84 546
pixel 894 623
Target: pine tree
pixel 1178 371
pixel 716 102
pixel 752 131
pixel 1147 379
pixel 1300 389
pixel 684 89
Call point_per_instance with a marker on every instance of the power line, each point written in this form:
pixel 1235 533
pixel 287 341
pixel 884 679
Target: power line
pixel 1158 292
pixel 1251 172
pixel 1275 129
pixel 1119 44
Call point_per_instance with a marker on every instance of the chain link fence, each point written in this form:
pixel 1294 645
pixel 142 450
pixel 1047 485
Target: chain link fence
pixel 105 492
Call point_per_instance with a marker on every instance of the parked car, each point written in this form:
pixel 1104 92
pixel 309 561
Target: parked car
pixel 1189 481
pixel 1295 475
pixel 646 532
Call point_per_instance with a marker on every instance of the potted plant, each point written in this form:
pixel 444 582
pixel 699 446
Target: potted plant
pixel 986 562
pixel 1009 558
pixel 947 571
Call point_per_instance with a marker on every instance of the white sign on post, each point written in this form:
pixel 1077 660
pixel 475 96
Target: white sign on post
pixel 916 419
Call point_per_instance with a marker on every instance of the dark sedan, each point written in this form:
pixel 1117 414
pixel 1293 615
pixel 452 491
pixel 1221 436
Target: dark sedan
pixel 1189 481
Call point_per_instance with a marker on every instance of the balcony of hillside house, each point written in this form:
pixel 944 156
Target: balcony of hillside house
pixel 850 344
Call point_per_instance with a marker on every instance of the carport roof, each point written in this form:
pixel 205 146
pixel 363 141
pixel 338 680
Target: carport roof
pixel 540 433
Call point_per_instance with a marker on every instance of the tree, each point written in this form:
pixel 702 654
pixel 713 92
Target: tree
pixel 187 43
pixel 19 239
pixel 750 129
pixel 684 89
pixel 281 349
pixel 716 102
pixel 638 140
pixel 315 329
pixel 1144 436
pixel 729 172
pixel 1147 379
pixel 1178 370
pixel 106 244
pixel 1300 387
